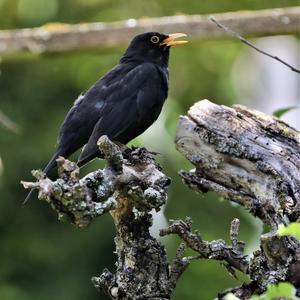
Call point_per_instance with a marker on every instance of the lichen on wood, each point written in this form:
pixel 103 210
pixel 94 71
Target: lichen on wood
pixel 217 249
pixel 254 160
pixel 129 187
pixel 244 155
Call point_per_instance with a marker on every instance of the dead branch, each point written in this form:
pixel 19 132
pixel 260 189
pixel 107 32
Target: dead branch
pixel 65 37
pixel 244 155
pixel 129 187
pixel 252 159
pixel 217 250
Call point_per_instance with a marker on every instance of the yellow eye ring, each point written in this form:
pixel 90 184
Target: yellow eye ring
pixel 154 39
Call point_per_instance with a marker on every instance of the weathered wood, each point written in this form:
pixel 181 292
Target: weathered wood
pixel 65 37
pixel 254 160
pixel 246 156
pixel 217 249
pixel 129 187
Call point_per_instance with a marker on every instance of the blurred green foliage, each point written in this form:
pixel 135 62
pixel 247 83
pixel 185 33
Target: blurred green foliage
pixel 284 290
pixel 36 11
pixel 43 259
pixel 293 229
pixel 280 112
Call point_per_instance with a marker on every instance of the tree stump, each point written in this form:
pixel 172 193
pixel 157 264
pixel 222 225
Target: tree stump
pixel 254 160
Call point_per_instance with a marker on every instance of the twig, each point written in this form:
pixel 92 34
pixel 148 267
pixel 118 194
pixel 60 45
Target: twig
pixel 217 249
pixel 178 266
pixel 243 40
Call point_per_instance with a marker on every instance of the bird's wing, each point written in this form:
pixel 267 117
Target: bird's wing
pixel 84 114
pixel 126 106
pixel 111 124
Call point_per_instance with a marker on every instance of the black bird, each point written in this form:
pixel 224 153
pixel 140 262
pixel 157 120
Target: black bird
pixel 123 103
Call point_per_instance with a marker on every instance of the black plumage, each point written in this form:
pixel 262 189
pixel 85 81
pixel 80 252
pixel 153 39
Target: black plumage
pixel 123 103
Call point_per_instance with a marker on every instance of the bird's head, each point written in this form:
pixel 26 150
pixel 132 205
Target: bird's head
pixel 152 47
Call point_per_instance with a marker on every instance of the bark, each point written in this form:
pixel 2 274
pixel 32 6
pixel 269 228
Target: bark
pixel 244 155
pixel 252 159
pixel 217 249
pixel 129 187
pixel 65 37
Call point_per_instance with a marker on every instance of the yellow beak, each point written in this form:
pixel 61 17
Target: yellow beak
pixel 170 40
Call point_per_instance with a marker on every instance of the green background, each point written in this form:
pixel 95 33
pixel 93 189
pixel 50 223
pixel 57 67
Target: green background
pixel 41 258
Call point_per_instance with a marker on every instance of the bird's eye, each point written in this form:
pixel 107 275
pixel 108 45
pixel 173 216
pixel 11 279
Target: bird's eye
pixel 154 39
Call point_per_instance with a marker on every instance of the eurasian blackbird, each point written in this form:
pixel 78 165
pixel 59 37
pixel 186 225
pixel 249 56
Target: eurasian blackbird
pixel 123 103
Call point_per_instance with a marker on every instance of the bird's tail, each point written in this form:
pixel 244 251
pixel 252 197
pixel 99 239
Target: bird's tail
pixel 51 164
pixel 84 160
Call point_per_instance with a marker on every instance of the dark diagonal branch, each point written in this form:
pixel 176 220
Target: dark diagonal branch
pixel 243 40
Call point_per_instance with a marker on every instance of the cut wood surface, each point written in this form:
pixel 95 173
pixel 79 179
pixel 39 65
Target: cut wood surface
pixel 246 156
